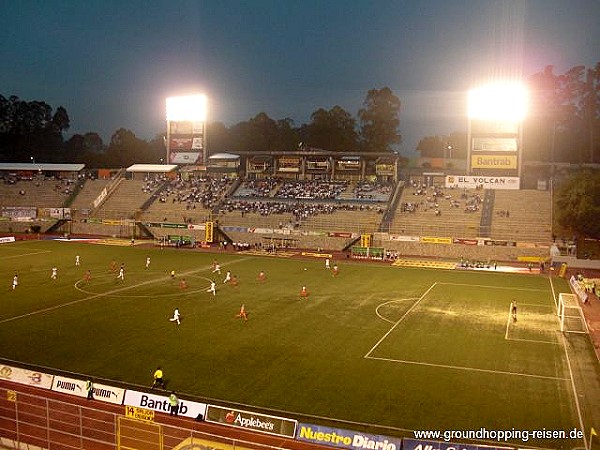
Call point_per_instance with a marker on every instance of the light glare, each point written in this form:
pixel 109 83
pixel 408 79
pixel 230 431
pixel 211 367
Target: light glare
pixel 187 108
pixel 504 101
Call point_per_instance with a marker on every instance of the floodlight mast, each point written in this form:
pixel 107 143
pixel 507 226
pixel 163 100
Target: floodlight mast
pixel 494 133
pixel 189 111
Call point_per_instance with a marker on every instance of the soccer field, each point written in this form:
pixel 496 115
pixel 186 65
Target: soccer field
pixel 377 347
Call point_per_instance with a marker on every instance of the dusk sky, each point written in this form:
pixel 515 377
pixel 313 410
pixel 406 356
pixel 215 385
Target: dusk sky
pixel 111 64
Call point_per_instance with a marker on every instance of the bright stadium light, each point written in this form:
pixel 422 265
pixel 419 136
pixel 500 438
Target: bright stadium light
pixel 187 108
pixel 500 101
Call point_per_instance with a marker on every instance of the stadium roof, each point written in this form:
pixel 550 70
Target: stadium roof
pixel 224 156
pixel 48 167
pixel 152 168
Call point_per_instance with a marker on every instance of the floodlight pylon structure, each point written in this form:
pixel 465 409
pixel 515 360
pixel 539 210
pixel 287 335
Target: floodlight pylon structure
pixel 186 129
pixel 495 129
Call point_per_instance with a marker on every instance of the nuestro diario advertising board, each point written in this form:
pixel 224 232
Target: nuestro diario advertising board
pixel 160 403
pixel 338 437
pixel 262 423
pixel 102 392
pixel 24 376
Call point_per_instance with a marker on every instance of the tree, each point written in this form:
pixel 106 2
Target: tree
pixel 60 120
pixel 432 147
pixel 379 121
pixel 126 149
pixel 333 130
pixel 578 204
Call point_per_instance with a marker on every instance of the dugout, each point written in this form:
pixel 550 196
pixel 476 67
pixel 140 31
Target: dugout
pixel 28 171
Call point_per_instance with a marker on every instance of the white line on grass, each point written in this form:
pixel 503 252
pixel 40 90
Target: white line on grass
pixel 26 254
pixel 105 294
pixel 493 287
pixel 400 320
pixel 387 303
pixel 575 396
pixel 468 369
pixel 524 340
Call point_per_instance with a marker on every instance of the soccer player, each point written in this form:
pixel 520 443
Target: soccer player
pixel 212 288
pixel 15 282
pixel 77 260
pixel 147 262
pixel 336 271
pixel 54 273
pixel 227 277
pixel 172 274
pixel 261 276
pixel 87 276
pixel 113 266
pixel 327 264
pixel 217 268
pixel 176 317
pixel 234 280
pixel 121 275
pixel 183 284
pixel 242 314
pixel 158 379
pixel 513 310
pixel 303 292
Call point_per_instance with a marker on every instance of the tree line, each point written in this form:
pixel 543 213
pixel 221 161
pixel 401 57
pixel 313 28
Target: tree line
pixel 33 130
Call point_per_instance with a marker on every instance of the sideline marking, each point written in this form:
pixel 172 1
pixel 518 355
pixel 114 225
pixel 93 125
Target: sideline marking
pixel 39 252
pixel 487 286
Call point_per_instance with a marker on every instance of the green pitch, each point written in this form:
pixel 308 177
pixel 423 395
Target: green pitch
pixel 381 348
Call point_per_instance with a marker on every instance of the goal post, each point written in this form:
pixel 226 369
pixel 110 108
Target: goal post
pixel 570 314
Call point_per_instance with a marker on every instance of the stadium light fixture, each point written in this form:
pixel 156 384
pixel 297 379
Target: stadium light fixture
pixel 187 108
pixel 499 101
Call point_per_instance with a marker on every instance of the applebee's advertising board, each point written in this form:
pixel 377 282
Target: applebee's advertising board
pixel 262 423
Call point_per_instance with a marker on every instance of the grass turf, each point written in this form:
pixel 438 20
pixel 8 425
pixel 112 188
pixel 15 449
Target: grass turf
pixel 404 348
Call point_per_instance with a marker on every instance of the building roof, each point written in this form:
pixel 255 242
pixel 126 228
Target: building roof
pixel 48 167
pixel 152 168
pixel 224 156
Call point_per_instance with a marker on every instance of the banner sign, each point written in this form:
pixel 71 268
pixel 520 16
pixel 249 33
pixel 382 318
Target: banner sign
pixel 76 387
pixel 24 376
pixel 414 444
pixel 436 240
pixel 5 240
pixel 473 182
pixel 19 212
pixel 465 241
pixel 160 403
pixel 338 437
pixel 261 423
pixel 194 443
pixel 494 162
pixel 399 237
pixel 133 412
pixel 578 289
pixel 339 234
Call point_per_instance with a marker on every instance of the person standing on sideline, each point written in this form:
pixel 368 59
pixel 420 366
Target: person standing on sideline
pixel 176 317
pixel 15 281
pixel 77 260
pixel 158 379
pixel 89 387
pixel 173 404
pixel 513 310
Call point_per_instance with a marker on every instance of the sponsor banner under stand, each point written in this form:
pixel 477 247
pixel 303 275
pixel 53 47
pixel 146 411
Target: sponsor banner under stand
pixel 472 182
pixel 262 423
pixel 436 240
pixel 414 444
pixel 338 437
pixel 24 376
pixel 194 443
pixel 4 240
pixel 102 392
pixel 399 237
pixel 160 403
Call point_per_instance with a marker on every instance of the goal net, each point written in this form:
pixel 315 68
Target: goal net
pixel 570 314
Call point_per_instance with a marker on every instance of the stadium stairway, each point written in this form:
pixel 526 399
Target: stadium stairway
pixel 487 213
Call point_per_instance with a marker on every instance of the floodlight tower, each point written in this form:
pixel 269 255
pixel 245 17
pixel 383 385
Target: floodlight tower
pixel 495 129
pixel 186 129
